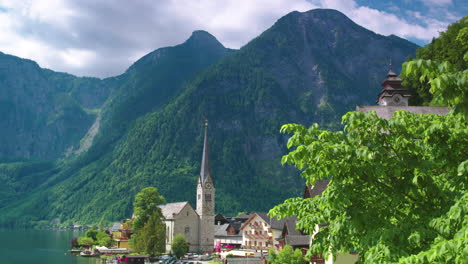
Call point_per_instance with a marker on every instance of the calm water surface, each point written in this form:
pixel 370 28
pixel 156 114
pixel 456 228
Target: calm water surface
pixel 39 247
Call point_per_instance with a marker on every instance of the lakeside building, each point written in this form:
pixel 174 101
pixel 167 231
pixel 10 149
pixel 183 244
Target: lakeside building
pixel 196 225
pixel 261 232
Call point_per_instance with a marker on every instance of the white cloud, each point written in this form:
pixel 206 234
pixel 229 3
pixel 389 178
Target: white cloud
pixel 387 23
pixel 102 38
pixel 437 2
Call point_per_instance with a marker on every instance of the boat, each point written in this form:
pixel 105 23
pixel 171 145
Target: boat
pixel 88 253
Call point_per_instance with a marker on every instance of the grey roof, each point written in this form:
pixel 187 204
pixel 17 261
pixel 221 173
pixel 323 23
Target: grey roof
pixel 236 225
pixel 274 223
pixel 171 209
pixel 116 227
pixel 221 230
pixel 298 240
pixel 244 216
pixel 290 224
pixel 205 170
pixel 312 191
pixel 387 111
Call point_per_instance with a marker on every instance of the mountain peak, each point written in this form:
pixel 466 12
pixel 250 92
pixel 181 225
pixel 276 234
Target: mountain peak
pixel 201 37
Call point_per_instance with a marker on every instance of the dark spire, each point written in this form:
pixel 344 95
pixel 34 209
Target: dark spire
pixel 390 72
pixel 205 171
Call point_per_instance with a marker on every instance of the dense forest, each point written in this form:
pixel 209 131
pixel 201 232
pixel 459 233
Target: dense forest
pixel 308 67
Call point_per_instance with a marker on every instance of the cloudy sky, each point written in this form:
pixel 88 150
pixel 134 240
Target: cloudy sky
pixel 104 37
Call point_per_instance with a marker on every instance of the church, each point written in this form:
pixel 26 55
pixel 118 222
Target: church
pixel 196 225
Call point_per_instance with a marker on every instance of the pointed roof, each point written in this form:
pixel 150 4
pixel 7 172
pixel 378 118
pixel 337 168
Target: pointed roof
pixel 392 85
pixel 273 222
pixel 205 171
pixel 317 189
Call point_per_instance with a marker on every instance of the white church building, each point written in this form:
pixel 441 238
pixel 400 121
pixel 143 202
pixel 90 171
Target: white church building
pixel 196 225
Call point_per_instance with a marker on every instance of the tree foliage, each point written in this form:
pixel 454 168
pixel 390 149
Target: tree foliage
pixel 146 205
pixel 397 187
pixel 85 241
pixel 92 233
pixel 180 246
pixel 286 256
pixel 151 239
pixel 450 47
pixel 447 85
pixel 103 239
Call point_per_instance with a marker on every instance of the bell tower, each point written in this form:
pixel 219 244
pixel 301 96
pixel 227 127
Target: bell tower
pixel 393 93
pixel 206 199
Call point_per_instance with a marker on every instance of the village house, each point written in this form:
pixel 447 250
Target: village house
pixel 121 233
pixel 228 234
pixel 293 237
pixel 261 232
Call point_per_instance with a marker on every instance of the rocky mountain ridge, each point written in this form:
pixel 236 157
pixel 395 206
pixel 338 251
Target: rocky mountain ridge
pixel 308 67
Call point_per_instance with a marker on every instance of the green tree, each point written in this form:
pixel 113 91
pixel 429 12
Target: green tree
pixel 286 256
pixel 180 246
pixel 145 205
pixel 92 233
pixel 447 85
pixel 450 47
pixel 85 241
pixel 103 239
pixel 151 239
pixel 397 187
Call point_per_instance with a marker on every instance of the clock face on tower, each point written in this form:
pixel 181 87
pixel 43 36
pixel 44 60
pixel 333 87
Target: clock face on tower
pixel 208 185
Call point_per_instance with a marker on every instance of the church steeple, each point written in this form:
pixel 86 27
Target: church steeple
pixel 205 171
pixel 393 93
pixel 206 199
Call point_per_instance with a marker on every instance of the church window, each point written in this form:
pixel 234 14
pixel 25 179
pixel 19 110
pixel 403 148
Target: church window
pixel 208 197
pixel 187 213
pixel 199 196
pixel 167 234
pixel 187 230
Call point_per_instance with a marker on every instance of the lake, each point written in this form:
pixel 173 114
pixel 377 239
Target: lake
pixel 39 247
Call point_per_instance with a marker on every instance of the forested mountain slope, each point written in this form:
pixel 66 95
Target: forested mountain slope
pixel 44 113
pixel 308 67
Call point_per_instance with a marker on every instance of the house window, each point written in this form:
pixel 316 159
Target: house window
pixel 255 243
pixel 260 232
pixel 208 197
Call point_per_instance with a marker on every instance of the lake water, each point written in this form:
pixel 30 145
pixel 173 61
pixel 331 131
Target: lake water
pixel 39 247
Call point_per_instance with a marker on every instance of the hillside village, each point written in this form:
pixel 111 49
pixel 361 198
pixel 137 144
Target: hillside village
pixel 312 150
pixel 253 234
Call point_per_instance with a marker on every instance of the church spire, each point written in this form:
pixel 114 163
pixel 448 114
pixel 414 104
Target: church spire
pixel 205 171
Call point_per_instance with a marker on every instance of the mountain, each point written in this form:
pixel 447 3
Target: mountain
pixel 149 83
pixel 308 67
pixel 44 113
